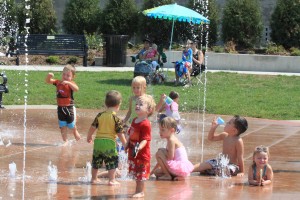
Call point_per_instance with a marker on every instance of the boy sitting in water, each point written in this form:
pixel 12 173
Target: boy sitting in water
pixel 233 147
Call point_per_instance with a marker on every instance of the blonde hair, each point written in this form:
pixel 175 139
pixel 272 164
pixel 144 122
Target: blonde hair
pixel 168 122
pixel 148 99
pixel 260 149
pixel 140 80
pixel 70 68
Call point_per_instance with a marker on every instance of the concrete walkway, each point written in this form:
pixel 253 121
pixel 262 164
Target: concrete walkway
pixel 122 69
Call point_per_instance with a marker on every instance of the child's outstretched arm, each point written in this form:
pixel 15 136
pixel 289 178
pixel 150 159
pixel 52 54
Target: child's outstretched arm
pixel 269 174
pixel 141 146
pixel 153 170
pixel 89 138
pixel 159 106
pixel 211 134
pixel 251 180
pixel 123 139
pixel 49 78
pixel 128 112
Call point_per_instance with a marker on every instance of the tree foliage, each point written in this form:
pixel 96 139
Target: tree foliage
pixel 8 20
pixel 285 23
pixel 41 14
pixel 242 22
pixel 198 32
pixel 158 30
pixel 81 16
pixel 120 17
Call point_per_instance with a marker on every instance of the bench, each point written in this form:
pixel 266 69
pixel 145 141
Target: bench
pixel 40 44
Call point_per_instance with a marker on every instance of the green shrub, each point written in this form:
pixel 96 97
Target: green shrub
pixel 120 17
pixel 218 49
pixel 94 41
pixel 274 49
pixel 230 47
pixel 285 22
pixel 42 16
pixel 72 60
pixel 52 60
pixel 242 23
pixel 81 16
pixel 295 51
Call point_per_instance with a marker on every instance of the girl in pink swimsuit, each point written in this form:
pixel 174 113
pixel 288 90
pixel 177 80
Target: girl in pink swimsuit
pixel 172 161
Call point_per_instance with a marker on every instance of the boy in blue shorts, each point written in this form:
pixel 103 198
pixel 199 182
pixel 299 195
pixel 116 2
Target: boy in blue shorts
pixel 65 101
pixel 108 126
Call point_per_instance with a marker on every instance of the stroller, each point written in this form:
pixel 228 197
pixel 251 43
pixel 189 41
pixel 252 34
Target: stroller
pixel 152 73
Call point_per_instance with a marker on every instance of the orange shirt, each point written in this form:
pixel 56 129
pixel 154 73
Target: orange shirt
pixel 64 94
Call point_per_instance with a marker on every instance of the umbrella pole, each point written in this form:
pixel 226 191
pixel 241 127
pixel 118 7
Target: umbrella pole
pixel 170 47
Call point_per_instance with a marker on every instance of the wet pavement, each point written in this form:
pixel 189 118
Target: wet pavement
pixel 44 144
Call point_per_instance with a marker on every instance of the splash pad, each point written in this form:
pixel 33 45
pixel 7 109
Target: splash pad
pixel 44 144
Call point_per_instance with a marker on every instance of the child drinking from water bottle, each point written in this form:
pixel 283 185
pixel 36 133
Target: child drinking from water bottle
pixel 171 108
pixel 172 161
pixel 233 146
pixel 260 172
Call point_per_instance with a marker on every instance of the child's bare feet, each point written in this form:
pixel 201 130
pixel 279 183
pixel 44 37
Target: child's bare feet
pixel 66 143
pixel 138 195
pixel 76 135
pixel 95 181
pixel 113 183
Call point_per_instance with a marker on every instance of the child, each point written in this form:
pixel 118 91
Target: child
pixel 139 143
pixel 108 125
pixel 182 67
pixel 65 101
pixel 172 109
pixel 233 146
pixel 138 86
pixel 172 162
pixel 260 172
pixel 187 55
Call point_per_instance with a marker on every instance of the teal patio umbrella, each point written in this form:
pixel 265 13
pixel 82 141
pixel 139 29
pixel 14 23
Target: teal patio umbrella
pixel 174 12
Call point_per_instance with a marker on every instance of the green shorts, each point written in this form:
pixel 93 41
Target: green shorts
pixel 105 151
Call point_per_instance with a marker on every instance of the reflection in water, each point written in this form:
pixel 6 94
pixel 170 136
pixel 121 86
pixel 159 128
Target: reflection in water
pixel 51 190
pixel 12 187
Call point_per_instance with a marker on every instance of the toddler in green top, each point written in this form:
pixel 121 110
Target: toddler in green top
pixel 109 127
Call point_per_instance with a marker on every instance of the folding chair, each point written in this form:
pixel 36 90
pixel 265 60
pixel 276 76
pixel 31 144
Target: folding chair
pixel 196 74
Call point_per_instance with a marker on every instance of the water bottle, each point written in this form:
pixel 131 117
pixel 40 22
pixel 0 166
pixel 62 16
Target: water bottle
pixel 220 121
pixel 168 100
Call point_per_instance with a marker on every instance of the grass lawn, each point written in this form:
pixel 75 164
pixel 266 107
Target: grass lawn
pixel 261 96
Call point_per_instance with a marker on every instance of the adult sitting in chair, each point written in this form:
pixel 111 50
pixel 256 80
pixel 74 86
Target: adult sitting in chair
pixel 183 67
pixel 198 58
pixel 149 53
